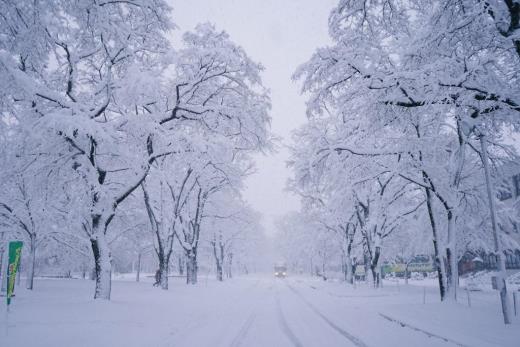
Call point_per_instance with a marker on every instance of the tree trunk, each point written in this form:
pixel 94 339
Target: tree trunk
pixel 191 267
pixel 103 265
pixel 350 272
pixel 451 259
pixel 2 273
pixel 219 259
pixel 181 265
pixel 374 267
pixel 366 265
pixel 438 261
pixel 451 249
pixel 220 275
pixel 230 264
pixel 344 266
pixel 31 262
pixel 138 271
pixel 501 280
pixel 163 249
pixel 163 271
pixel 348 261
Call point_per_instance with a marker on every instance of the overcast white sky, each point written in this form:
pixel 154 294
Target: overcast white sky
pixel 280 34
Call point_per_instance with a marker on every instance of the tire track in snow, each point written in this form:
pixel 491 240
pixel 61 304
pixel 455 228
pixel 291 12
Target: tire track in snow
pixel 285 327
pixel 242 333
pixel 356 341
pixel 182 334
pixel 427 333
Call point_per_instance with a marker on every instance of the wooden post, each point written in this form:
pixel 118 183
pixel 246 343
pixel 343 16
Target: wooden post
pixel 469 298
pixel 515 302
pixel 424 295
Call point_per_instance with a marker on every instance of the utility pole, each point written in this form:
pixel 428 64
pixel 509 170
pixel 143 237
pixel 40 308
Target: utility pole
pixel 501 278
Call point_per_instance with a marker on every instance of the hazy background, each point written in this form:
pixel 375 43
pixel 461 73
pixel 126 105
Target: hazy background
pixel 281 34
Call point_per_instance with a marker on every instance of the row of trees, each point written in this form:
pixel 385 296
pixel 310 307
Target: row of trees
pixel 410 114
pixel 108 130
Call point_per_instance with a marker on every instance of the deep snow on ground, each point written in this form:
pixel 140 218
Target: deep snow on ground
pixel 252 311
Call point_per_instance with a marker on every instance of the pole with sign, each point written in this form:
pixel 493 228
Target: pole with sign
pixel 15 253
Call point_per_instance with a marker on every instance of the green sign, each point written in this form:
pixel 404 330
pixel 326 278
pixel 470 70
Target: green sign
pixel 412 267
pixel 15 253
pixel 421 267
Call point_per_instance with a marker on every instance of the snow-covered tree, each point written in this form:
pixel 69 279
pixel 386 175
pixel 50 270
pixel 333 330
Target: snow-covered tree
pixel 221 108
pixel 65 65
pixel 414 87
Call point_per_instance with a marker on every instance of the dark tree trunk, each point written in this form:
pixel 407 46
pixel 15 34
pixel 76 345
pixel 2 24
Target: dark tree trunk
pixel 2 251
pixel 138 272
pixel 219 259
pixel 191 267
pixel 181 265
pixel 437 255
pixel 451 258
pixel 220 274
pixel 229 265
pixel 164 261
pixel 349 266
pixel 32 261
pixel 373 267
pixel 103 268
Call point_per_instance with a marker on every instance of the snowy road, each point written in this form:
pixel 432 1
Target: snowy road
pixel 249 311
pixel 276 312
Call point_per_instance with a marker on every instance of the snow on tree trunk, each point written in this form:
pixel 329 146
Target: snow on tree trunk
pixel 374 265
pixel 103 265
pixel 163 248
pixel 349 276
pixel 439 265
pixel 2 272
pixel 501 280
pixel 221 262
pixel 181 265
pixel 191 267
pixel 163 272
pixel 138 270
pixel 219 259
pixel 31 262
pixel 220 275
pixel 451 258
pixel 229 265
